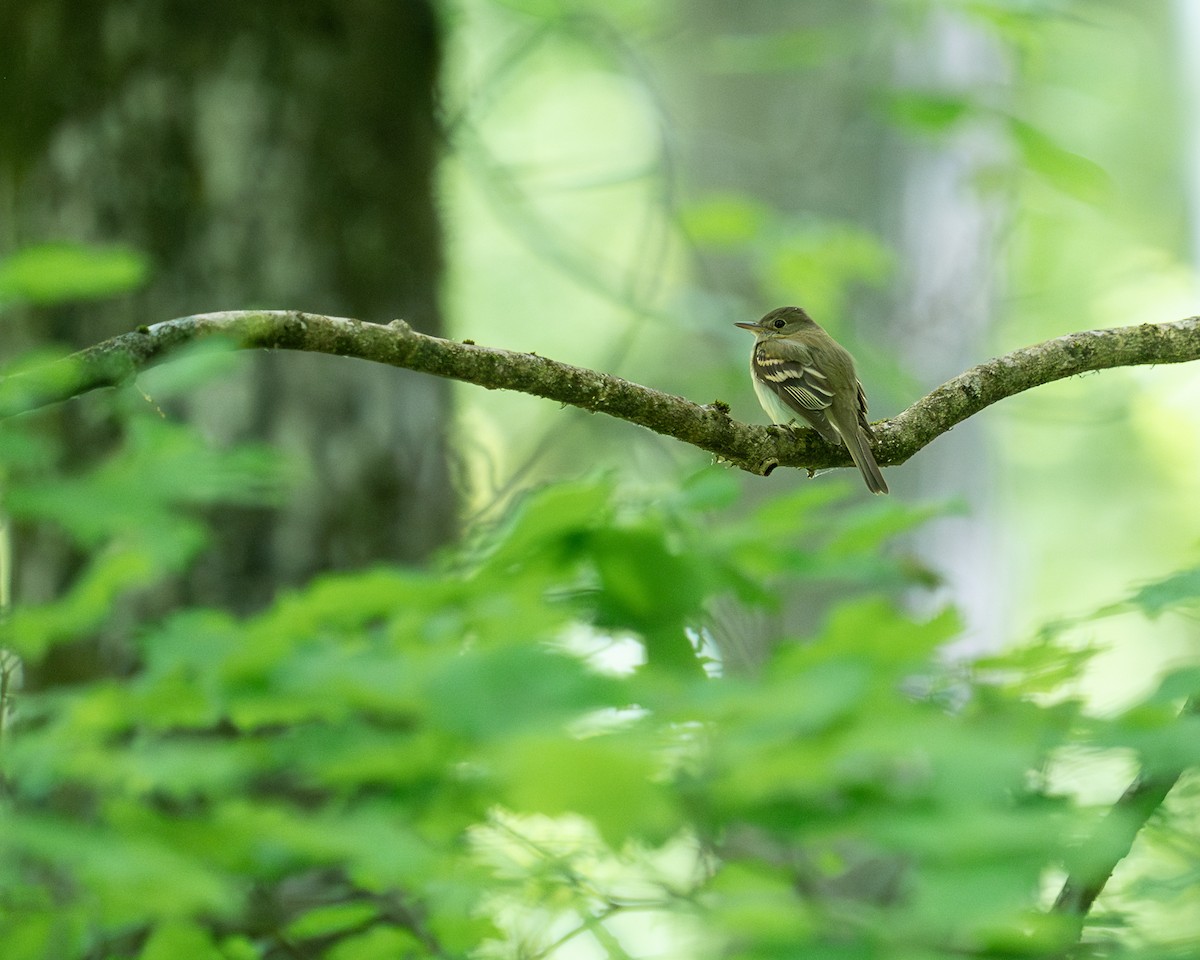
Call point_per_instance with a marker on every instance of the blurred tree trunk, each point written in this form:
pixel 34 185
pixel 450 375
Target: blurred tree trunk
pixel 1185 16
pixel 275 153
pixel 948 230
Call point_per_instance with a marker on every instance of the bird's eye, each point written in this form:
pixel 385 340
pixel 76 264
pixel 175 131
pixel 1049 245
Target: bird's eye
pixel 779 324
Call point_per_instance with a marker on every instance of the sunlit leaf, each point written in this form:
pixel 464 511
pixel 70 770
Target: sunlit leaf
pixel 1179 589
pixel 551 525
pixel 725 221
pixel 650 589
pixel 928 112
pixel 500 692
pixel 1073 174
pixel 57 272
pixel 170 941
pixel 601 778
pixel 757 906
pixel 822 259
pixel 378 943
pixel 333 918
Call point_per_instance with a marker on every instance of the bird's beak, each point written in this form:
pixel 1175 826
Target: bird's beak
pixel 747 326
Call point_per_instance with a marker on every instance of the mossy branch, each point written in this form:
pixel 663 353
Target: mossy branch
pixel 708 426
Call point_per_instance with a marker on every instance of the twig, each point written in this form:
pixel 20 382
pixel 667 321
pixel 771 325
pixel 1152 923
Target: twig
pixel 708 426
pixel 1114 837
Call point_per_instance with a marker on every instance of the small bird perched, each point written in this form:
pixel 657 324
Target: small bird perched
pixel 800 370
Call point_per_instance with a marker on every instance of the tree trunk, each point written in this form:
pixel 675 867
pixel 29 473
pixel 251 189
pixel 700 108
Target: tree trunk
pixel 274 153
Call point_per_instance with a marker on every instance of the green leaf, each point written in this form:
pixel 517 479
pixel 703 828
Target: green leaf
pixel 379 943
pixel 928 112
pixel 756 905
pixel 550 526
pixel 874 631
pixel 496 693
pixel 177 940
pixel 611 780
pixel 129 874
pixel 865 529
pixel 190 368
pixel 34 931
pixel 351 756
pixel 1179 589
pixel 239 948
pixel 32 630
pixel 334 918
pixel 725 221
pixel 1166 740
pixel 1179 684
pixel 29 380
pixel 1039 667
pixel 713 488
pixel 823 258
pixel 1074 175
pixel 57 272
pixel 648 588
pixel 138 492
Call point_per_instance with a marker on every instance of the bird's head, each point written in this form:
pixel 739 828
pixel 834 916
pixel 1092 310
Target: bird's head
pixel 781 322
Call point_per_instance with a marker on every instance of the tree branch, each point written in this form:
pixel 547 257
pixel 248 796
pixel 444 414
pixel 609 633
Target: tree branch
pixel 1113 840
pixel 1115 835
pixel 708 426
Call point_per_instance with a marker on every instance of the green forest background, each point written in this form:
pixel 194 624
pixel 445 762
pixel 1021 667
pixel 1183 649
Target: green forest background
pixel 304 658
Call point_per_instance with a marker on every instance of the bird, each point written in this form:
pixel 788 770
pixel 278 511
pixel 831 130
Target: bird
pixel 799 370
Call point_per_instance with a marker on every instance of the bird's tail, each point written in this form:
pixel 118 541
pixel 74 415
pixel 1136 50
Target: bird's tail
pixel 860 452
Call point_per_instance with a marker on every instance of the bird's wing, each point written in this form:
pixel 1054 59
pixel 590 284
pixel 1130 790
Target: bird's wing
pixel 864 421
pixel 798 383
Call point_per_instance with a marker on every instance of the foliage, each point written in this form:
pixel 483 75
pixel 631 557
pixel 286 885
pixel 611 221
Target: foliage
pixel 447 762
pixel 52 273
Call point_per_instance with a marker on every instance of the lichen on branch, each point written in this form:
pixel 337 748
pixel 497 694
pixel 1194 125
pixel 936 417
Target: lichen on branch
pixel 707 426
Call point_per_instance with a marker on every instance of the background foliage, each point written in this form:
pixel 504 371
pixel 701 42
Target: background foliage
pixel 648 708
pixel 459 760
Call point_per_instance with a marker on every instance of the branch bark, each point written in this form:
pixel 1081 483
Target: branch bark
pixel 708 426
pixel 1113 840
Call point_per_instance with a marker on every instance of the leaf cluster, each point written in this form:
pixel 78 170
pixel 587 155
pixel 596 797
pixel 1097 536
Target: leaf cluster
pixel 533 746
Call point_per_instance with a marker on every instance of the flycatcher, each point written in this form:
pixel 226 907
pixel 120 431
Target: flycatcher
pixel 801 371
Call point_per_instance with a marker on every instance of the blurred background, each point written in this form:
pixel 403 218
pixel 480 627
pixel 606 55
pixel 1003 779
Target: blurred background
pixel 936 182
pixel 613 184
